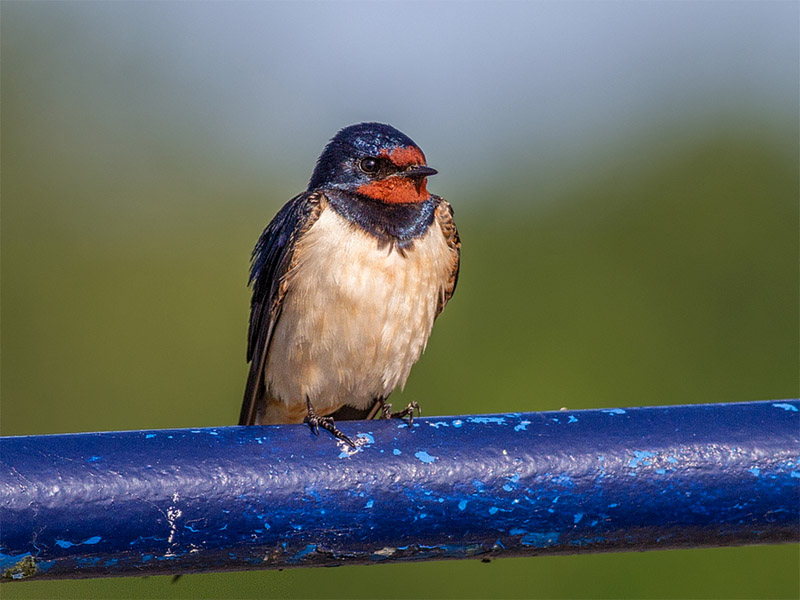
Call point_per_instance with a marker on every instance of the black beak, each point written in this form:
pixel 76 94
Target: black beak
pixel 418 171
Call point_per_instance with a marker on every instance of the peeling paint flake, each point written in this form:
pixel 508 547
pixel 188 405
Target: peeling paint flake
pixel 641 456
pixel 487 420
pixel 384 552
pixel 367 437
pixel 786 406
pixel 363 440
pixel 67 544
pixel 424 456
pixel 173 514
pixel 309 549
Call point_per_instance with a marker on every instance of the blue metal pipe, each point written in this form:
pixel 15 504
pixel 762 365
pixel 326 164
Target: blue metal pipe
pixel 235 498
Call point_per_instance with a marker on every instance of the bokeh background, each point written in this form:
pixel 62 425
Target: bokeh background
pixel 625 179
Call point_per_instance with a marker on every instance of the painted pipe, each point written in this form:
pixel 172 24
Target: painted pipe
pixel 235 498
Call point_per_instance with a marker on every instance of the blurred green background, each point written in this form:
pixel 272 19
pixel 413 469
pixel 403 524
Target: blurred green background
pixel 625 179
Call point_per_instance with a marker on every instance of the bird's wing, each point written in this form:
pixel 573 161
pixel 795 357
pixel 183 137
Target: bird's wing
pixel 271 260
pixel 444 217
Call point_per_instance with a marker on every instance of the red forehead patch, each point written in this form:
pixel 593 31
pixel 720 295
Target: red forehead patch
pixel 405 156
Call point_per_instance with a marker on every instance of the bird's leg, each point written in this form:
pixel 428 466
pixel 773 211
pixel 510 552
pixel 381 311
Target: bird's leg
pixel 377 407
pixel 315 422
pixel 408 411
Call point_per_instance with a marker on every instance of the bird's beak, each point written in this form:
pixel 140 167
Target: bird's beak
pixel 418 171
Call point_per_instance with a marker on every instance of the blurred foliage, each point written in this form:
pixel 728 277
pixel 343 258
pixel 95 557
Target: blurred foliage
pixel 666 276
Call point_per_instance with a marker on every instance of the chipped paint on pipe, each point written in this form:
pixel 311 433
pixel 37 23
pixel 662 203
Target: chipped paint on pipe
pixel 236 498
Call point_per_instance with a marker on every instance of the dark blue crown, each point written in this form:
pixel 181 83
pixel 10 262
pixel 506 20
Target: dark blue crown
pixel 336 165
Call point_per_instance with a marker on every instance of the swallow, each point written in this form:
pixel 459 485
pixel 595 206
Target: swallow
pixel 347 281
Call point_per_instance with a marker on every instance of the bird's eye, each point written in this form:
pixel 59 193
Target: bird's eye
pixel 369 164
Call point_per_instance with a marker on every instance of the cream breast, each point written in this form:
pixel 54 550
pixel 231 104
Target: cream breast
pixel 355 317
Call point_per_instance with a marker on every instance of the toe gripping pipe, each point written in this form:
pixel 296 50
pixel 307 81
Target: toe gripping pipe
pixel 235 498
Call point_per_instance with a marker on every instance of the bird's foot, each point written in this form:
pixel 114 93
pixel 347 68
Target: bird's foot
pixel 314 421
pixel 408 411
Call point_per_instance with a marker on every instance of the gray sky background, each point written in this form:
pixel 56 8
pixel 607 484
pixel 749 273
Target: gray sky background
pixel 262 85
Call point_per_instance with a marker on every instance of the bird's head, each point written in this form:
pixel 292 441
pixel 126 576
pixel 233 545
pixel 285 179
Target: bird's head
pixel 376 161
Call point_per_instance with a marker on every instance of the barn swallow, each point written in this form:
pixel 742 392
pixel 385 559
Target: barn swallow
pixel 347 281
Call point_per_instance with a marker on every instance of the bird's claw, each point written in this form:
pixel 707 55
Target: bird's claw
pixel 314 421
pixel 408 411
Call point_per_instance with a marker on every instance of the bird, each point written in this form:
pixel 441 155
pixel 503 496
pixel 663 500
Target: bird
pixel 347 280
